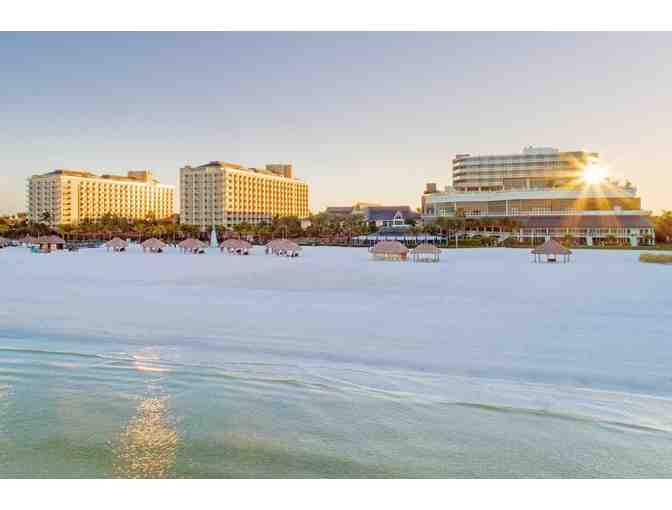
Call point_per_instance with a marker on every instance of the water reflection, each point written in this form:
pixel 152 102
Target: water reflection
pixel 148 445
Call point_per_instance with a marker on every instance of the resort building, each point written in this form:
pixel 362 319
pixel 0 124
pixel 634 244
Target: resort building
pixel 549 194
pixel 220 193
pixel 70 196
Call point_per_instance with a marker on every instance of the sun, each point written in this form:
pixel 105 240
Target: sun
pixel 594 174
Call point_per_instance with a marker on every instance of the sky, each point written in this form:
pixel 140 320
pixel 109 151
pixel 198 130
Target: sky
pixel 362 116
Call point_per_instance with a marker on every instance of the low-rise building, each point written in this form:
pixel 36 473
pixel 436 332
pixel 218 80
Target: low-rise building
pixel 377 215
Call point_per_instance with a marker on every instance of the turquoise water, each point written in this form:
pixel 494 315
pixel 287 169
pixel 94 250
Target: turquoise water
pixel 334 375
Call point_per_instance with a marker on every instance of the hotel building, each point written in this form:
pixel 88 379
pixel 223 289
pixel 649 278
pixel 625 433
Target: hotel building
pixel 70 196
pixel 550 194
pixel 220 193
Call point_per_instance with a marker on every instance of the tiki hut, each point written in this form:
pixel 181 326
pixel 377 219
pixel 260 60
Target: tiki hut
pixel 153 245
pixel 551 251
pixel 291 249
pixel 426 252
pixel 389 250
pixel 192 246
pixel 117 244
pixel 47 244
pixel 283 247
pixel 235 247
pixel 29 240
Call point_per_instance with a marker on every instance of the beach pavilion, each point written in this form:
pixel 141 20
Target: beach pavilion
pixel 47 244
pixel 283 247
pixel 117 244
pixel 28 240
pixel 426 252
pixel 235 247
pixel 192 246
pixel 153 245
pixel 389 250
pixel 551 251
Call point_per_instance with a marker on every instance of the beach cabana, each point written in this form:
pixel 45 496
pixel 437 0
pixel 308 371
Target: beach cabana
pixel 283 247
pixel 389 250
pixel 153 245
pixel 551 251
pixel 235 247
pixel 426 252
pixel 291 249
pixel 117 244
pixel 192 246
pixel 28 240
pixel 47 244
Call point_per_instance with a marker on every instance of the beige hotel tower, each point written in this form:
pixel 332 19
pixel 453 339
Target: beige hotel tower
pixel 220 193
pixel 70 196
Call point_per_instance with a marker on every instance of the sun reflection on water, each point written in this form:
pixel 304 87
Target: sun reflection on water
pixel 148 445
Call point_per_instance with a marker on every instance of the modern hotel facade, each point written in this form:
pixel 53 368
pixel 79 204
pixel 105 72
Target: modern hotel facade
pixel 71 196
pixel 226 194
pixel 548 194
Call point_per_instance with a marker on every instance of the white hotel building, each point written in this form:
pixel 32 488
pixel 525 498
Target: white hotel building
pixel 550 194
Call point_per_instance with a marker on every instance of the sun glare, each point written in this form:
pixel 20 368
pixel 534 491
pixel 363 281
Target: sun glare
pixel 594 174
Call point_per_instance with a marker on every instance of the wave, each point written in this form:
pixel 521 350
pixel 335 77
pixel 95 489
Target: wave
pixel 544 413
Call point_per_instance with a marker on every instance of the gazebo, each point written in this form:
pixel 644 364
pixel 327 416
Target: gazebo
pixel 47 244
pixel 117 244
pixel 28 240
pixel 235 247
pixel 552 251
pixel 283 247
pixel 426 252
pixel 153 245
pixel 192 246
pixel 389 250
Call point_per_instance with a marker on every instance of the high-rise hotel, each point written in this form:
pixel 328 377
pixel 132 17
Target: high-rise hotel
pixel 220 193
pixel 70 196
pixel 551 194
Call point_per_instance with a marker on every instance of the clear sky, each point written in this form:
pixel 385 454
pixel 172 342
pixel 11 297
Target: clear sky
pixel 362 116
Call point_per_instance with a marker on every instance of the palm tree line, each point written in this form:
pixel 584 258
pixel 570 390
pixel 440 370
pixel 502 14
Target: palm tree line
pixel 319 226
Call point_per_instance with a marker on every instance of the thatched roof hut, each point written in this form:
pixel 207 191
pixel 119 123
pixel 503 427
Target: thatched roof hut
pixel 235 246
pixel 117 244
pixel 551 250
pixel 153 245
pixel 283 247
pixel 28 240
pixel 50 243
pixel 389 250
pixel 192 246
pixel 426 252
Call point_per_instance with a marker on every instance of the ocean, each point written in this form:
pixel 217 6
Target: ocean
pixel 333 365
